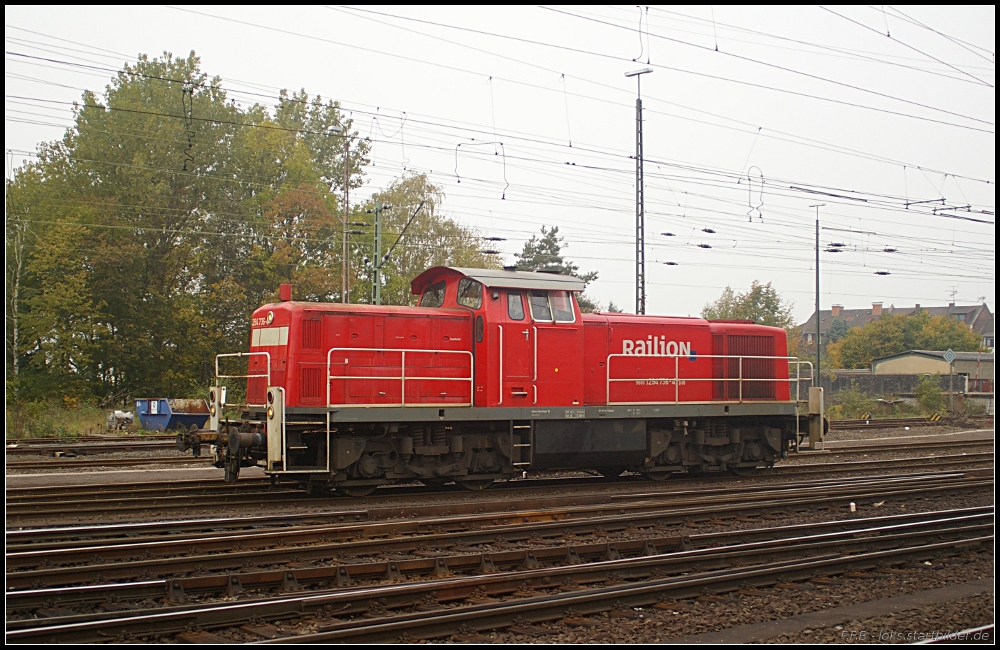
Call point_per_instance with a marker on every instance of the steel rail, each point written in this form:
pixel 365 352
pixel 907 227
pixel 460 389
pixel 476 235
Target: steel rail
pixel 956 460
pixel 891 423
pixel 897 447
pixel 214 486
pixel 828 555
pixel 28 502
pixel 176 588
pixel 519 524
pixel 485 617
pixel 86 448
pixel 76 463
pixel 467 507
pixel 70 537
pixel 73 440
pixel 35 537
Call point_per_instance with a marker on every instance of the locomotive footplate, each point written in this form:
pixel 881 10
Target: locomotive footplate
pixel 687 410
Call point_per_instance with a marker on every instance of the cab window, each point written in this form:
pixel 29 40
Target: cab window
pixel 562 306
pixel 539 301
pixel 433 295
pixel 515 307
pixel 470 293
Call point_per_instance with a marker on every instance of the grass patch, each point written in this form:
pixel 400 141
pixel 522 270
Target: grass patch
pixel 54 419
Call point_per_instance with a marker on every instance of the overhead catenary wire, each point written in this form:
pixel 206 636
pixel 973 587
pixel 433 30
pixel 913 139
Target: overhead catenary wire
pixel 733 175
pixel 675 69
pixel 929 56
pixel 768 133
pixel 602 171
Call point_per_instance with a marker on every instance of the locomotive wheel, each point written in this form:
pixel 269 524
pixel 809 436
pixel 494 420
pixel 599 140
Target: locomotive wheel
pixel 657 476
pixel 356 491
pixel 475 485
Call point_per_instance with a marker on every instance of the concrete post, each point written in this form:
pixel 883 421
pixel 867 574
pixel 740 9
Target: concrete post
pixel 816 410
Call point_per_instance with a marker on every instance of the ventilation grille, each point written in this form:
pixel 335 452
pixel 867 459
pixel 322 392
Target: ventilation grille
pixel 312 382
pixel 752 369
pixel 312 334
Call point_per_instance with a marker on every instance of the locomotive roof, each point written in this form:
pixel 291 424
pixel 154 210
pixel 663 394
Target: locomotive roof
pixel 502 279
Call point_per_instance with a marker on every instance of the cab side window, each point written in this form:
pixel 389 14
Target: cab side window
pixel 470 293
pixel 433 295
pixel 515 307
pixel 539 301
pixel 562 306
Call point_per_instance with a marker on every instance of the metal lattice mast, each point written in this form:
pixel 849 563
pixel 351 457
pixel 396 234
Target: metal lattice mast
pixel 640 209
pixel 640 216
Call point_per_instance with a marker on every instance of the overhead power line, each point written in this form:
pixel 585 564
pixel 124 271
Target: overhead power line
pixel 906 45
pixel 766 132
pixel 786 69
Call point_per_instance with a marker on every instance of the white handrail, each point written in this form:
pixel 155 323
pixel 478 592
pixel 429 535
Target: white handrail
pixel 500 332
pixel 401 377
pixel 248 377
pixel 676 379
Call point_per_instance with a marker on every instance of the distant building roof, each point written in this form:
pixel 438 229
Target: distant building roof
pixel 939 354
pixel 978 317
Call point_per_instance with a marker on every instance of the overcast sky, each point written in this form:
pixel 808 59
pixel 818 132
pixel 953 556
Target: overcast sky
pixel 752 115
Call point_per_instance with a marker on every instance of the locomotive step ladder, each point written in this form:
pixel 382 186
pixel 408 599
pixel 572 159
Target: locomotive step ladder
pixel 521 433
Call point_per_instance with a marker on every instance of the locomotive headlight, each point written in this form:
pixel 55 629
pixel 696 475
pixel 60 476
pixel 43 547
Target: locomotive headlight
pixel 270 412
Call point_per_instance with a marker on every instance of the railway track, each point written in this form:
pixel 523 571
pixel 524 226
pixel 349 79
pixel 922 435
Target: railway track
pixel 33 562
pixel 462 591
pixel 892 423
pixel 871 448
pixel 84 463
pixel 89 438
pixel 21 448
pixel 27 504
pixel 212 489
pixel 333 513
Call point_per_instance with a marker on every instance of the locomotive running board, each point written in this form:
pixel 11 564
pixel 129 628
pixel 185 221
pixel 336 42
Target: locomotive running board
pixel 685 410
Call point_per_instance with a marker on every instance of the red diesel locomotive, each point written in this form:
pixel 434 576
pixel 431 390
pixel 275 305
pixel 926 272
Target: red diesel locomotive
pixel 497 372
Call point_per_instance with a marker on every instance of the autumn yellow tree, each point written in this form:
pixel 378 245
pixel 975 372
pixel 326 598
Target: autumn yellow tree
pixel 895 333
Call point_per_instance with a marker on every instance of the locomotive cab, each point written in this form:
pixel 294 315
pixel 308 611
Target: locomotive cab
pixel 527 332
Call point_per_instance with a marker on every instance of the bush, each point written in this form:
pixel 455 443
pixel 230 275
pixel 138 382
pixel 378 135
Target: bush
pixel 890 406
pixel 53 418
pixel 852 403
pixel 929 395
pixel 974 408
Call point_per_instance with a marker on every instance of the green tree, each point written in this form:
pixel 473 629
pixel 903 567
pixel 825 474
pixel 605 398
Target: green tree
pixel 929 395
pixel 160 220
pixel 895 333
pixel 837 330
pixel 545 254
pixel 761 304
